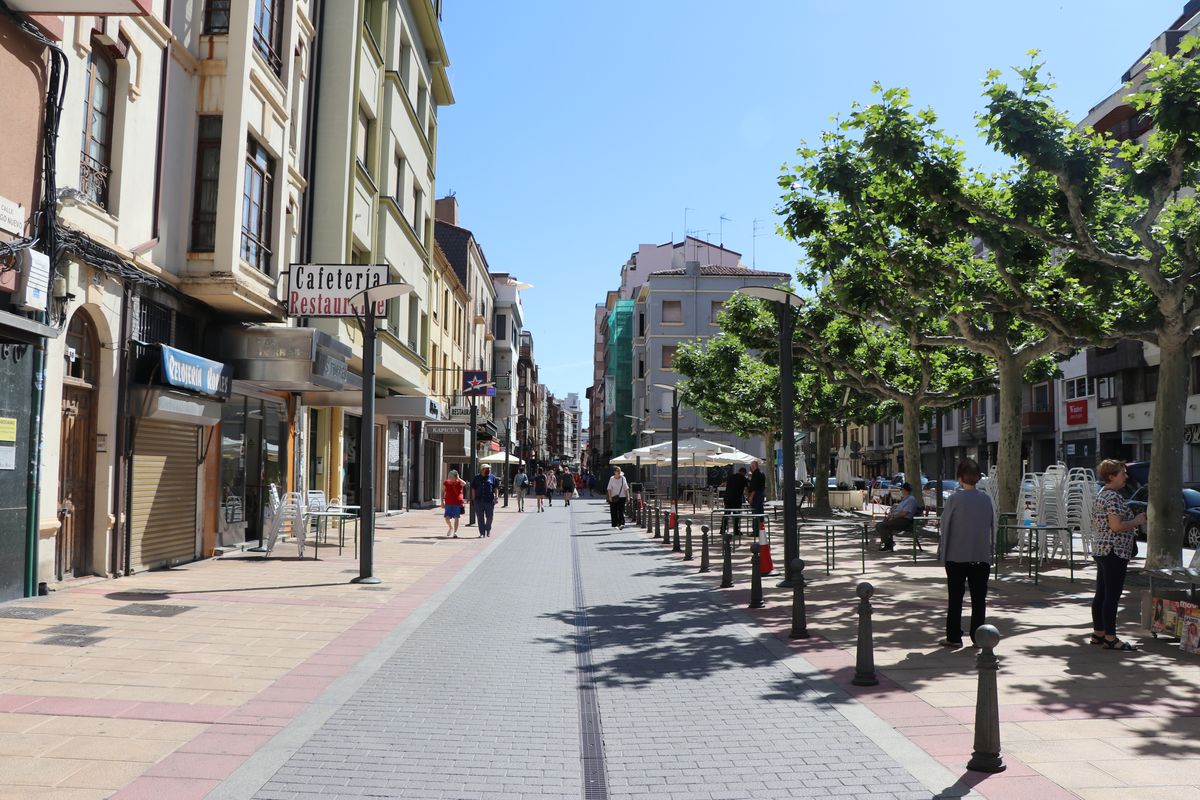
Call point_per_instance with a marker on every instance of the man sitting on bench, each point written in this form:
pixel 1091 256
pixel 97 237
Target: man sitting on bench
pixel 900 518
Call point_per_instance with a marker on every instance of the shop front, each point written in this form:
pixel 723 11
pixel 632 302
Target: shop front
pixel 414 462
pixel 177 407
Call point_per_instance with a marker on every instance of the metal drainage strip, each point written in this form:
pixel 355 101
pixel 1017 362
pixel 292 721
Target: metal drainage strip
pixel 591 735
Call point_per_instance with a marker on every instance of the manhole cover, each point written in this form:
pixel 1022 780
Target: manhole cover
pixel 29 612
pixel 73 630
pixel 147 610
pixel 66 640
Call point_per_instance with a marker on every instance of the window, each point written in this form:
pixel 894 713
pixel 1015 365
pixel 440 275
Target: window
pixel 1074 388
pixel 418 211
pixel 948 420
pixel 1108 390
pixel 257 191
pixel 422 103
pixel 154 323
pixel 374 20
pixel 641 368
pixel 216 16
pixel 405 59
pixel 398 179
pixel 714 311
pixel 642 324
pixel 1151 384
pixel 501 326
pixel 1041 397
pixel 672 311
pixel 668 356
pixel 445 309
pixel 95 163
pixel 80 352
pixel 362 138
pixel 208 167
pixel 268 31
pixel 414 321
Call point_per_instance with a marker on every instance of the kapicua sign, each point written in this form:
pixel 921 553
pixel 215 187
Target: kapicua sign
pixel 329 290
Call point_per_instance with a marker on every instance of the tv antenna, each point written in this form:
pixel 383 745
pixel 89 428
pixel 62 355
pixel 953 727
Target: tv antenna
pixel 754 243
pixel 721 236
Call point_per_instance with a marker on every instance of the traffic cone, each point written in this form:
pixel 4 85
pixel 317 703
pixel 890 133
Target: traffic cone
pixel 765 565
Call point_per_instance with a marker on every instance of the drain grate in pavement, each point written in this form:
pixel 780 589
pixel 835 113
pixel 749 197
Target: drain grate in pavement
pixel 148 610
pixel 30 612
pixel 376 588
pixel 67 640
pixel 591 732
pixel 73 630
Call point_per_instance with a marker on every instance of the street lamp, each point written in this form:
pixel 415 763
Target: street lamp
pixel 787 301
pixel 674 449
pixel 366 511
pixel 638 460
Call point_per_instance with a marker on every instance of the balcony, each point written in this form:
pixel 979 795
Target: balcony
pixel 1037 420
pixel 93 180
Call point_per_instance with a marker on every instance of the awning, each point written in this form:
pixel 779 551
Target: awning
pixel 168 405
pixel 418 407
pixel 288 359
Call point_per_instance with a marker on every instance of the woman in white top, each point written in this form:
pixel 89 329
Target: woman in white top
pixel 618 494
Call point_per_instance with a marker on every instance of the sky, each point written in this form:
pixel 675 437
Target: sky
pixel 583 129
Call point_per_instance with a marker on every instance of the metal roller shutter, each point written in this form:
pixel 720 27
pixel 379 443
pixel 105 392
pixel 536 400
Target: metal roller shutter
pixel 164 495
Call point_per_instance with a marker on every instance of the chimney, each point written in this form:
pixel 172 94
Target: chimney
pixel 691 268
pixel 446 209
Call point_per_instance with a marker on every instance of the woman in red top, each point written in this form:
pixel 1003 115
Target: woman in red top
pixel 452 501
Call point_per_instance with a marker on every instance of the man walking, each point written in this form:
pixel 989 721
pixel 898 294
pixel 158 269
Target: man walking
pixel 757 487
pixel 900 518
pixel 618 495
pixel 521 481
pixel 483 497
pixel 735 494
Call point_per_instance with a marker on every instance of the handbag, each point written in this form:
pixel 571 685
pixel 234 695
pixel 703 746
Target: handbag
pixel 575 494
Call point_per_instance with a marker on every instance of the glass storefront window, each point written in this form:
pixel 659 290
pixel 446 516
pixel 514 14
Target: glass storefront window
pixel 233 460
pixel 254 435
pixel 351 428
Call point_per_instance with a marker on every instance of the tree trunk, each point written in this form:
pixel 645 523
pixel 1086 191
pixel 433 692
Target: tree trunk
pixel 1008 451
pixel 1164 524
pixel 912 448
pixel 821 473
pixel 772 483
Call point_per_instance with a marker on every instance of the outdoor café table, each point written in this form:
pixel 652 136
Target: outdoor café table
pixel 739 515
pixel 1033 547
pixel 832 530
pixel 340 514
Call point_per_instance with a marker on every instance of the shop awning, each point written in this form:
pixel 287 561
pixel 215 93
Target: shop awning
pixel 288 359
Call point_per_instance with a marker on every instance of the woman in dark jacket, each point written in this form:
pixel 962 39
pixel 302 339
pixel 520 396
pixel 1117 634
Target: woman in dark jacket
pixel 566 485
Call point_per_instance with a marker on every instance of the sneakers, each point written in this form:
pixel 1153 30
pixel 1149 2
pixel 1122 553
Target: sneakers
pixel 951 643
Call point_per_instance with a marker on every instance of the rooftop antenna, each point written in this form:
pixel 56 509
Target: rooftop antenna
pixel 685 225
pixel 724 219
pixel 754 243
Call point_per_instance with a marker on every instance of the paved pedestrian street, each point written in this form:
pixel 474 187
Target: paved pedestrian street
pixel 564 659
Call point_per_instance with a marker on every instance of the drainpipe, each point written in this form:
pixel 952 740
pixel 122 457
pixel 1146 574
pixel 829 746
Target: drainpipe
pixel 121 484
pixel 164 85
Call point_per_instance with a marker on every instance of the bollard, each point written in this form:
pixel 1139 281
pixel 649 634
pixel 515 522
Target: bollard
pixel 864 667
pixel 727 563
pixel 756 592
pixel 986 757
pixel 687 541
pixel 704 566
pixel 675 546
pixel 799 620
pixel 656 516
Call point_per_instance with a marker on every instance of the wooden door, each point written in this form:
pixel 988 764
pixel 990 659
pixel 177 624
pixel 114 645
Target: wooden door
pixel 76 481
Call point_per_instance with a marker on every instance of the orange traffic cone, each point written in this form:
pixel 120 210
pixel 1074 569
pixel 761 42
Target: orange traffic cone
pixel 765 565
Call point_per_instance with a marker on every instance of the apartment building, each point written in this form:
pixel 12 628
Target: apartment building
pixel 528 421
pixel 508 325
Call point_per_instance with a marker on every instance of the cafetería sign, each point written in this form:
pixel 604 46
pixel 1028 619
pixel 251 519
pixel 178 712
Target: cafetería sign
pixel 328 290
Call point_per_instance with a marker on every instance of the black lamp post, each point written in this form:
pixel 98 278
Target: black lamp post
pixel 674 449
pixel 787 412
pixel 366 467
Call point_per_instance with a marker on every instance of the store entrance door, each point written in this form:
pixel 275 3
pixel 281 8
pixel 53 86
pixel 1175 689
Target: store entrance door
pixel 77 453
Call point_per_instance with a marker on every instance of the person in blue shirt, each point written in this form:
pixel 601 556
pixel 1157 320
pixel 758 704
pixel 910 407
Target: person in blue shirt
pixel 483 495
pixel 900 518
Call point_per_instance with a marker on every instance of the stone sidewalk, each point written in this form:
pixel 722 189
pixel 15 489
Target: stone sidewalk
pixel 1077 720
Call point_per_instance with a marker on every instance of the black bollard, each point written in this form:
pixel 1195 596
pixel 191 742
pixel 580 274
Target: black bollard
pixel 986 757
pixel 687 541
pixel 756 593
pixel 656 519
pixel 704 566
pixel 675 546
pixel 727 563
pixel 799 618
pixel 864 667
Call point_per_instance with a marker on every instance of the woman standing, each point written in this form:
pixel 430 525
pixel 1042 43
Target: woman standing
pixel 1114 525
pixel 452 501
pixel 965 546
pixel 539 488
pixel 618 495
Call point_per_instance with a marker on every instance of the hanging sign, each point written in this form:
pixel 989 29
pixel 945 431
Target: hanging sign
pixel 330 290
pixel 187 371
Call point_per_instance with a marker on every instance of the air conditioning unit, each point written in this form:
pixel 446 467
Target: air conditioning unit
pixel 33 292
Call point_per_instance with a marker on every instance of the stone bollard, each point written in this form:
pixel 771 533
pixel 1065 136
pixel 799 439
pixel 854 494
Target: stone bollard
pixel 687 541
pixel 675 545
pixel 704 566
pixel 986 757
pixel 799 618
pixel 656 519
pixel 864 667
pixel 756 592
pixel 727 560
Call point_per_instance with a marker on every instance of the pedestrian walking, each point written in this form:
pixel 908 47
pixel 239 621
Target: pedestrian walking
pixel 965 547
pixel 757 491
pixel 566 485
pixel 452 501
pixel 899 518
pixel 539 489
pixel 735 495
pixel 521 482
pixel 551 483
pixel 483 496
pixel 1115 543
pixel 618 495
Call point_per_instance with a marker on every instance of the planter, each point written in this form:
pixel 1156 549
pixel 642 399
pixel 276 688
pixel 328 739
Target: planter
pixel 851 499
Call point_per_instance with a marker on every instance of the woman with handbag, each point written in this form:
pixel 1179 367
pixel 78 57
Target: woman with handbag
pixel 566 485
pixel 452 501
pixel 1115 527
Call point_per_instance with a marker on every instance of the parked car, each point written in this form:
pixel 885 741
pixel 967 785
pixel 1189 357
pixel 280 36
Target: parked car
pixel 881 493
pixel 948 487
pixel 1191 513
pixel 898 481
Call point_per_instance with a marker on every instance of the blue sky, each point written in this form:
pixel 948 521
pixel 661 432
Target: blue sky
pixel 583 129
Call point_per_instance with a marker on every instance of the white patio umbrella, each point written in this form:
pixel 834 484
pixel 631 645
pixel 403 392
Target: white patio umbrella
pixel 842 473
pixel 801 470
pixel 625 458
pixel 499 458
